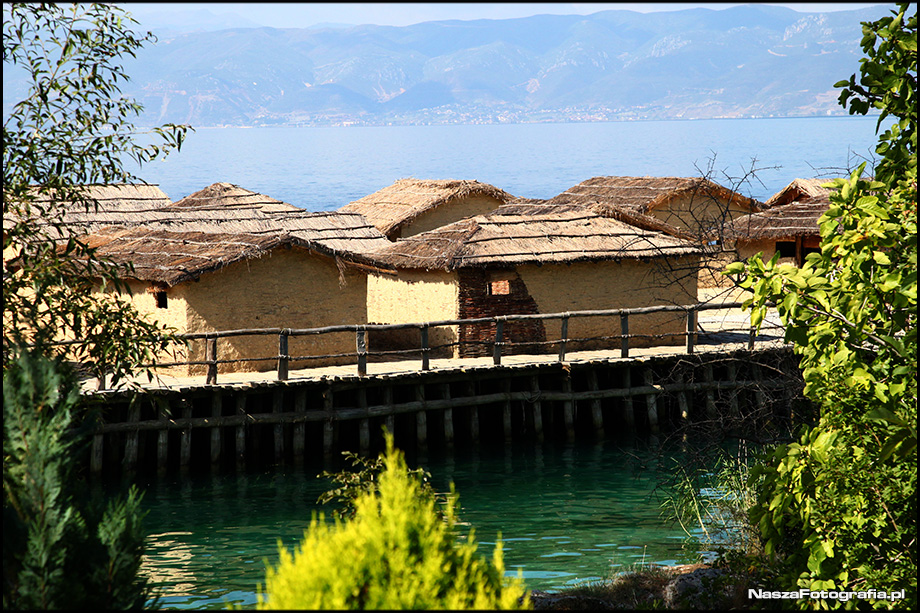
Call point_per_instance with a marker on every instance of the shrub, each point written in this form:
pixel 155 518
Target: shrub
pixel 395 553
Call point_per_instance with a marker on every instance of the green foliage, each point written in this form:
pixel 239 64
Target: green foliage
pixel 62 548
pixel 362 479
pixel 837 509
pixel 73 129
pixel 395 553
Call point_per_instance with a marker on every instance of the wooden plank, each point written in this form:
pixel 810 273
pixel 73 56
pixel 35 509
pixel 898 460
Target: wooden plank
pixel 563 337
pixel 211 358
pixel 283 360
pixel 691 329
pixel 426 349
pixel 624 335
pixel 497 346
pixel 361 344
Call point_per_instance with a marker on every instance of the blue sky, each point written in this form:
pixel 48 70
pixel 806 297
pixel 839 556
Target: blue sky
pixel 306 14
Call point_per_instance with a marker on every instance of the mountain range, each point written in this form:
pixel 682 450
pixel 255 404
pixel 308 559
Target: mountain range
pixel 744 61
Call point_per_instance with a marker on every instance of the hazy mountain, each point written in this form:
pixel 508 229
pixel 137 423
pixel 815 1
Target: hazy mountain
pixel 743 61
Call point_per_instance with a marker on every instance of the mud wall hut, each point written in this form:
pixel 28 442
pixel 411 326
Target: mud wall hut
pixel 798 189
pixel 525 260
pixel 790 229
pixel 411 206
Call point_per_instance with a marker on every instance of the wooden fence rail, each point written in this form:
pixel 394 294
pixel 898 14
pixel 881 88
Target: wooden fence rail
pixel 360 331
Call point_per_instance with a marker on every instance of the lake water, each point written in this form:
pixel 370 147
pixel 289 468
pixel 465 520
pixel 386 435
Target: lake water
pixel 566 514
pixel 324 168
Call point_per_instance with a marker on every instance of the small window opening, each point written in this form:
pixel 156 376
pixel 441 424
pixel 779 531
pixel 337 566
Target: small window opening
pixel 161 299
pixel 786 249
pixel 500 288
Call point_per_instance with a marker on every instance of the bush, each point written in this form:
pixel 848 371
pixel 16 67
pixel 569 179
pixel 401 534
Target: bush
pixel 395 553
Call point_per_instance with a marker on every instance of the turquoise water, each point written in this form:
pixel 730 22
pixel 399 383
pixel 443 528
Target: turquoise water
pixel 566 514
pixel 325 168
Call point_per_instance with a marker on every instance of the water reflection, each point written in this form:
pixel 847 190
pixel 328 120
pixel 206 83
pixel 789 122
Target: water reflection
pixel 564 515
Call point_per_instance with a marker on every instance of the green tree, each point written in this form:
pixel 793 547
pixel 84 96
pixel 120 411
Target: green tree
pixel 63 548
pixel 837 509
pixel 401 554
pixel 72 130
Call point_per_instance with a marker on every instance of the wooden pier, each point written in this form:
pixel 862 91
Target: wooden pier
pixel 251 419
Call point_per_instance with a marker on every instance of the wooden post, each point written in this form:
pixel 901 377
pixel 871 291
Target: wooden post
pixel 211 358
pixel 391 418
pixel 682 403
pixel 563 337
pixel 597 414
pixel 361 342
pixel 185 437
pixel 283 357
pixel 710 394
pixel 134 416
pixel 278 407
pixel 497 347
pixel 537 408
pixel 421 418
pixel 758 389
pixel 364 425
pixel 751 337
pixel 568 408
pixel 162 441
pixel 652 402
pixel 448 415
pixel 506 409
pixel 97 453
pixel 733 377
pixel 474 413
pixel 628 410
pixel 300 427
pixel 425 348
pixel 328 424
pixel 691 329
pixel 624 335
pixel 241 431
pixel 216 410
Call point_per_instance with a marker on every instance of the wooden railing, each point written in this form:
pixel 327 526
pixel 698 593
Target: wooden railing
pixel 360 331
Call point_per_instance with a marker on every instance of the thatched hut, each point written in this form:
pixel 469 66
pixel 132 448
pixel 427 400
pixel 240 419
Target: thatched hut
pixel 411 206
pixel 231 196
pixel 300 272
pixel 798 189
pixel 695 205
pixel 790 229
pixel 526 259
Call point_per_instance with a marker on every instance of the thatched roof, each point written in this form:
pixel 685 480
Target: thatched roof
pixel 398 204
pixel 509 238
pixel 643 194
pixel 228 195
pixel 234 210
pixel 174 257
pixel 797 190
pixel 799 218
pixel 110 201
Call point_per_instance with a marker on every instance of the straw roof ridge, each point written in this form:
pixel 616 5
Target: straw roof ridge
pixel 508 240
pixel 400 203
pixel 222 194
pixel 798 189
pixel 798 218
pixel 642 194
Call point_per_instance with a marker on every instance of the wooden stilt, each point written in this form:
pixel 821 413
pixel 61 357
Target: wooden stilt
pixel 388 402
pixel 652 403
pixel 278 430
pixel 162 442
pixel 628 410
pixel 134 416
pixel 506 409
pixel 597 414
pixel 328 425
pixel 300 427
pixel 421 418
pixel 568 409
pixel 733 394
pixel 537 408
pixel 241 432
pixel 216 409
pixel 710 394
pixel 474 414
pixel 448 415
pixel 682 403
pixel 97 453
pixel 185 438
pixel 364 425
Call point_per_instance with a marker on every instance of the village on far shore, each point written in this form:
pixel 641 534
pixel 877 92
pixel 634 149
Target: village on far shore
pixel 227 258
